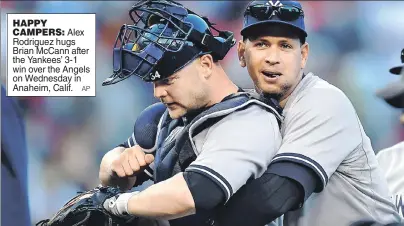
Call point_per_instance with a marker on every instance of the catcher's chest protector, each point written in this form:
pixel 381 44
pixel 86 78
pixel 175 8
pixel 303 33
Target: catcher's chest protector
pixel 175 148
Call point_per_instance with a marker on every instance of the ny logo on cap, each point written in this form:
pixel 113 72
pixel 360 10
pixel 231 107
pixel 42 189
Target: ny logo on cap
pixel 156 75
pixel 277 3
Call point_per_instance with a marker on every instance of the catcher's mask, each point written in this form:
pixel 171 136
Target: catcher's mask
pixel 164 38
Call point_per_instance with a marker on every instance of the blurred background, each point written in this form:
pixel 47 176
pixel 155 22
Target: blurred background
pixel 352 45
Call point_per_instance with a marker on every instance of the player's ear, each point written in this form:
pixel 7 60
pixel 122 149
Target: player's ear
pixel 240 53
pixel 304 51
pixel 206 64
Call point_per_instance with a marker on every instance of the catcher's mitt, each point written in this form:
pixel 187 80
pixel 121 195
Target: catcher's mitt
pixel 87 208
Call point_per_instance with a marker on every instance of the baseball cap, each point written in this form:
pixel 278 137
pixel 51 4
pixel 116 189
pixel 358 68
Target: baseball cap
pixel 393 93
pixel 274 12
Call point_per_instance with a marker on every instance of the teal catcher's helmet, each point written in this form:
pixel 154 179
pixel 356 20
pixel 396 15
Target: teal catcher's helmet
pixel 165 36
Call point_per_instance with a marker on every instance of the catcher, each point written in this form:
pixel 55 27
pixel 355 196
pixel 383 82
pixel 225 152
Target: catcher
pixel 185 144
pixel 197 165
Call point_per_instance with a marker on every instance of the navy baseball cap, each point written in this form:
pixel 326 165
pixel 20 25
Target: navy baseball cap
pixel 393 93
pixel 274 12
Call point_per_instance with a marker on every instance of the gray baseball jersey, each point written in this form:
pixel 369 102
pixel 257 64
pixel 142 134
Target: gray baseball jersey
pixel 321 130
pixel 237 148
pixel 391 162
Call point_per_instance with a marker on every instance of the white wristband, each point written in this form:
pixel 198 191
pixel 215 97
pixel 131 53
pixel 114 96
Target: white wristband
pixel 121 203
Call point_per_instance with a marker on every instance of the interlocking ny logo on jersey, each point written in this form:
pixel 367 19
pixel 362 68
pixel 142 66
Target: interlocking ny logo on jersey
pixel 277 3
pixel 156 75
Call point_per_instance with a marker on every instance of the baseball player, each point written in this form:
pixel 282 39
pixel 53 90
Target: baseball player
pixel 325 172
pixel 14 188
pixel 204 151
pixel 391 159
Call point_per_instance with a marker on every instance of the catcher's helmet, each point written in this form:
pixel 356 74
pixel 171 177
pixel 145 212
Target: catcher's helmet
pixel 164 38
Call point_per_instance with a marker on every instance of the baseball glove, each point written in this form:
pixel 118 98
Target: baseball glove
pixel 87 208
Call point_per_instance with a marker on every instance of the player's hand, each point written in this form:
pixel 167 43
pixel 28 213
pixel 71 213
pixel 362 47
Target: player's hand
pixel 131 161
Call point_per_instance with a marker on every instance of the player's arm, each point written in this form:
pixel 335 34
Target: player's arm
pixel 219 171
pixel 264 199
pixel 316 141
pixel 142 140
pixel 106 176
pixel 114 172
pixel 126 167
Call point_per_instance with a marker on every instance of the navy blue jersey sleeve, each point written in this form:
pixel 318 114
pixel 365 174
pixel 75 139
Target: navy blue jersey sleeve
pixel 305 176
pixel 206 193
